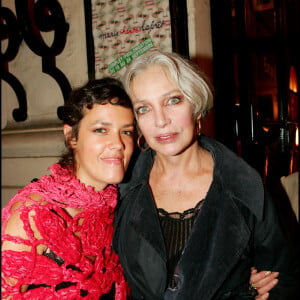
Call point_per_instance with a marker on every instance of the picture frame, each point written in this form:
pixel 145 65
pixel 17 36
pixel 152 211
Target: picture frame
pixel 115 28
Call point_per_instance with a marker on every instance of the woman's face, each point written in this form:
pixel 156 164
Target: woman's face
pixel 104 145
pixel 164 116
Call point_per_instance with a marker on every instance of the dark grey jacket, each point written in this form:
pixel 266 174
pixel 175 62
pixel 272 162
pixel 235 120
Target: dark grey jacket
pixel 237 227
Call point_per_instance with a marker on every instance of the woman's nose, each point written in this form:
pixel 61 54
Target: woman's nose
pixel 116 142
pixel 161 118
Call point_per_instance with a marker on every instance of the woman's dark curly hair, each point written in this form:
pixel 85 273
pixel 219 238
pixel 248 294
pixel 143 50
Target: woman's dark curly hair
pixel 99 91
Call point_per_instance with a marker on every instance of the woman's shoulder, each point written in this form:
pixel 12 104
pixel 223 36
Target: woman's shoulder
pixel 241 181
pixel 23 202
pixel 27 200
pixel 33 194
pixel 18 222
pixel 228 162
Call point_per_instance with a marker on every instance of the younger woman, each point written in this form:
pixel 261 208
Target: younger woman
pixel 57 232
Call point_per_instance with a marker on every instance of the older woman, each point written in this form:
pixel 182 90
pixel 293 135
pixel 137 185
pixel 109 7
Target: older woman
pixel 57 232
pixel 194 217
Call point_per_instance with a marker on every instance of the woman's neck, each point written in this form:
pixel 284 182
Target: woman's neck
pixel 188 161
pixel 179 183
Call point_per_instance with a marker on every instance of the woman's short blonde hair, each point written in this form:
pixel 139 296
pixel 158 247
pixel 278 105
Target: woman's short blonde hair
pixel 190 80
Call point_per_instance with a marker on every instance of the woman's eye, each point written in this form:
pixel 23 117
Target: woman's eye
pixel 128 132
pixel 141 110
pixel 174 100
pixel 100 130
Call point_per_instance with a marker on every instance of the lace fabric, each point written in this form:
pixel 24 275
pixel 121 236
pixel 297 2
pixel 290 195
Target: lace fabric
pixel 176 228
pixel 83 242
pixel 181 216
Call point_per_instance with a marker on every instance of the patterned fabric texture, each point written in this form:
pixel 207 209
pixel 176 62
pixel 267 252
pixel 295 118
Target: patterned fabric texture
pixel 86 266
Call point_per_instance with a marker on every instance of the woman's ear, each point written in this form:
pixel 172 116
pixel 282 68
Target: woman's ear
pixel 198 119
pixel 198 124
pixel 68 133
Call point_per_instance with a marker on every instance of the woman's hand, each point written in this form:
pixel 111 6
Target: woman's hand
pixel 263 282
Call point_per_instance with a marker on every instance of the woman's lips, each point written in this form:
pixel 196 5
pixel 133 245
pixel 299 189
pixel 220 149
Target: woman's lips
pixel 166 138
pixel 113 160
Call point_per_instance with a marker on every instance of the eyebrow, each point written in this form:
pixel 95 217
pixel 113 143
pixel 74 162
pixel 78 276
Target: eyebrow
pixel 109 124
pixel 162 96
pixel 128 125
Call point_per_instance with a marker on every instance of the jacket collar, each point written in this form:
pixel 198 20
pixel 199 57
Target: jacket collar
pixel 239 179
pixel 141 163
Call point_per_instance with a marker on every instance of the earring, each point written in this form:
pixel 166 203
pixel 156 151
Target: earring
pixel 140 145
pixel 198 127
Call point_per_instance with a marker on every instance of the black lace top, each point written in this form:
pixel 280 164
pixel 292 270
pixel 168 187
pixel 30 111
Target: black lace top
pixel 176 228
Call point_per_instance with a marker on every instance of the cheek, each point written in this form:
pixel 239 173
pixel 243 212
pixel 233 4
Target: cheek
pixel 129 146
pixel 145 125
pixel 91 145
pixel 186 120
pixel 129 149
pixel 97 148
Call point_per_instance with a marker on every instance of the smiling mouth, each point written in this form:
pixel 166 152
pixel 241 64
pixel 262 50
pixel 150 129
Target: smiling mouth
pixel 113 160
pixel 168 138
pixel 165 137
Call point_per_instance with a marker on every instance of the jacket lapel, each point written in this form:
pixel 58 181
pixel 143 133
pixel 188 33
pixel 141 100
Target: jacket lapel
pixel 145 221
pixel 143 215
pixel 217 241
pixel 147 256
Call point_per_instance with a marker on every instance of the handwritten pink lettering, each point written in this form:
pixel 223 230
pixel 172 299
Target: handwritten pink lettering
pixel 127 30
pixel 148 27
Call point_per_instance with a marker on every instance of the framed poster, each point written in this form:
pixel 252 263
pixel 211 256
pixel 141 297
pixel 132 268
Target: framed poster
pixel 121 30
